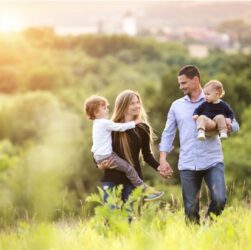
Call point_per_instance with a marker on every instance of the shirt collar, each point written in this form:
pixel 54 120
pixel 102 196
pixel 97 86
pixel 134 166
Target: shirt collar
pixel 201 97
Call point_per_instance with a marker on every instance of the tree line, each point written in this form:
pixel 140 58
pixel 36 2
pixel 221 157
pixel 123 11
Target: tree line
pixel 46 168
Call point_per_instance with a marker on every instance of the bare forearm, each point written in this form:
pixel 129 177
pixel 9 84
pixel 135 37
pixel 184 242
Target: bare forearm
pixel 162 157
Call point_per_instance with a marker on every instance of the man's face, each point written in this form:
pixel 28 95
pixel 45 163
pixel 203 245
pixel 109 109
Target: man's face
pixel 187 85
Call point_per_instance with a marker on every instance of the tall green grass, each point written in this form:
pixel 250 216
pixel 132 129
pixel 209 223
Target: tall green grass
pixel 165 230
pixel 155 225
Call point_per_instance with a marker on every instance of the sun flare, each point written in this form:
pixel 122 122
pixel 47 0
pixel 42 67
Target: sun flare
pixel 9 23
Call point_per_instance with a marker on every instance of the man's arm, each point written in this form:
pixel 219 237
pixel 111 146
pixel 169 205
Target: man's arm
pixel 229 111
pixel 233 127
pixel 232 124
pixel 164 169
pixel 166 144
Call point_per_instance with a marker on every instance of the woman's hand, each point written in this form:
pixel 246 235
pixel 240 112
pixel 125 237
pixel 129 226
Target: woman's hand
pixel 106 164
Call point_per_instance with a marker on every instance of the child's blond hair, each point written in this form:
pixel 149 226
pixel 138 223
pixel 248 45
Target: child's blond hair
pixel 92 105
pixel 217 85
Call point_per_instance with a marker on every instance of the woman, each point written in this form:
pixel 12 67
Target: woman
pixel 129 144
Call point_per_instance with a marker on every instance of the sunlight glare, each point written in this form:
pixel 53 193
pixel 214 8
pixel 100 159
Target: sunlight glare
pixel 9 23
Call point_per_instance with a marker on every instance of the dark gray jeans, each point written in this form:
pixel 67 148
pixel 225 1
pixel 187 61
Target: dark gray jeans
pixel 123 166
pixel 191 184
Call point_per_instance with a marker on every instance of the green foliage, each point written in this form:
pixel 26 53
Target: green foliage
pixel 8 155
pixel 115 214
pixel 42 36
pixel 230 231
pixel 43 78
pixel 30 112
pixel 46 167
pixel 237 156
pixel 34 185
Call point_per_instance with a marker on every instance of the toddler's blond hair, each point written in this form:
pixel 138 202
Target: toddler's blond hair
pixel 217 85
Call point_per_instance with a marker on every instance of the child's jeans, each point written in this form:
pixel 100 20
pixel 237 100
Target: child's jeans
pixel 123 166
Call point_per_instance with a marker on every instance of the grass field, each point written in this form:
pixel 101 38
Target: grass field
pixel 154 229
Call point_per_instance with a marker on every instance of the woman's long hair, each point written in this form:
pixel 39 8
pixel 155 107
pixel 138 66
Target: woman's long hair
pixel 122 103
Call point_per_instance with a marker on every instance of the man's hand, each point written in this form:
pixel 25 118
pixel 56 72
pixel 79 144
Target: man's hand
pixel 229 126
pixel 212 130
pixel 106 164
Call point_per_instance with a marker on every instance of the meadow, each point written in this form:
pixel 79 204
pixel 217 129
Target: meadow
pixel 149 225
pixel 46 168
pixel 159 230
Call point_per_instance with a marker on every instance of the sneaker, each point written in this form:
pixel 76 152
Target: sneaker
pixel 223 135
pixel 153 197
pixel 201 135
pixel 150 194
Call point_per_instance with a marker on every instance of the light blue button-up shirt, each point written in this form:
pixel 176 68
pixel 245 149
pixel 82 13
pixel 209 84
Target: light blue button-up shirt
pixel 194 154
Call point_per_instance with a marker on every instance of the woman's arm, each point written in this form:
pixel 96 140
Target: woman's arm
pixel 146 147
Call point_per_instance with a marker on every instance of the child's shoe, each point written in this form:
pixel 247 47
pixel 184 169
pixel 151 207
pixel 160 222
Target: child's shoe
pixel 223 135
pixel 150 194
pixel 201 135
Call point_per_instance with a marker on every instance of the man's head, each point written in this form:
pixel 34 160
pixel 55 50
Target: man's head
pixel 189 79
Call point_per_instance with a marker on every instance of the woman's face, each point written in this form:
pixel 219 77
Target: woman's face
pixel 134 107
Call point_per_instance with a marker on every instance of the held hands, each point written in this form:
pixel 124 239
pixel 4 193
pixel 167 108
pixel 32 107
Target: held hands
pixel 165 170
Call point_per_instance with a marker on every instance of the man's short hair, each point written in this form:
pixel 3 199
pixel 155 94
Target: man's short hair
pixel 190 71
pixel 92 105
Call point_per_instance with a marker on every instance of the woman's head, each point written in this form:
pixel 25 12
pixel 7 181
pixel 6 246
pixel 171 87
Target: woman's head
pixel 128 105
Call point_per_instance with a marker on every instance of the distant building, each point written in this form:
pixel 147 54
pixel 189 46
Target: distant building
pixel 76 30
pixel 198 50
pixel 129 25
pixel 100 27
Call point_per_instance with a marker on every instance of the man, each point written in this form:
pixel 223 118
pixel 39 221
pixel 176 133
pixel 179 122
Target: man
pixel 198 160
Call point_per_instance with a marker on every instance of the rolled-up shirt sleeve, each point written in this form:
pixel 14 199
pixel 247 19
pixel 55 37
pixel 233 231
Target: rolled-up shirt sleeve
pixel 168 134
pixel 235 126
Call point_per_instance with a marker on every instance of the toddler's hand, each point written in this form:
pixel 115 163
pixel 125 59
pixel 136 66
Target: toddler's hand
pixel 106 164
pixel 137 121
pixel 195 117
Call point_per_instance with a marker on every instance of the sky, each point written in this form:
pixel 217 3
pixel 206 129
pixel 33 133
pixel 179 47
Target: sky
pixel 20 14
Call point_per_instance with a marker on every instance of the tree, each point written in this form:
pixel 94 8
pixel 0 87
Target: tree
pixel 8 80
